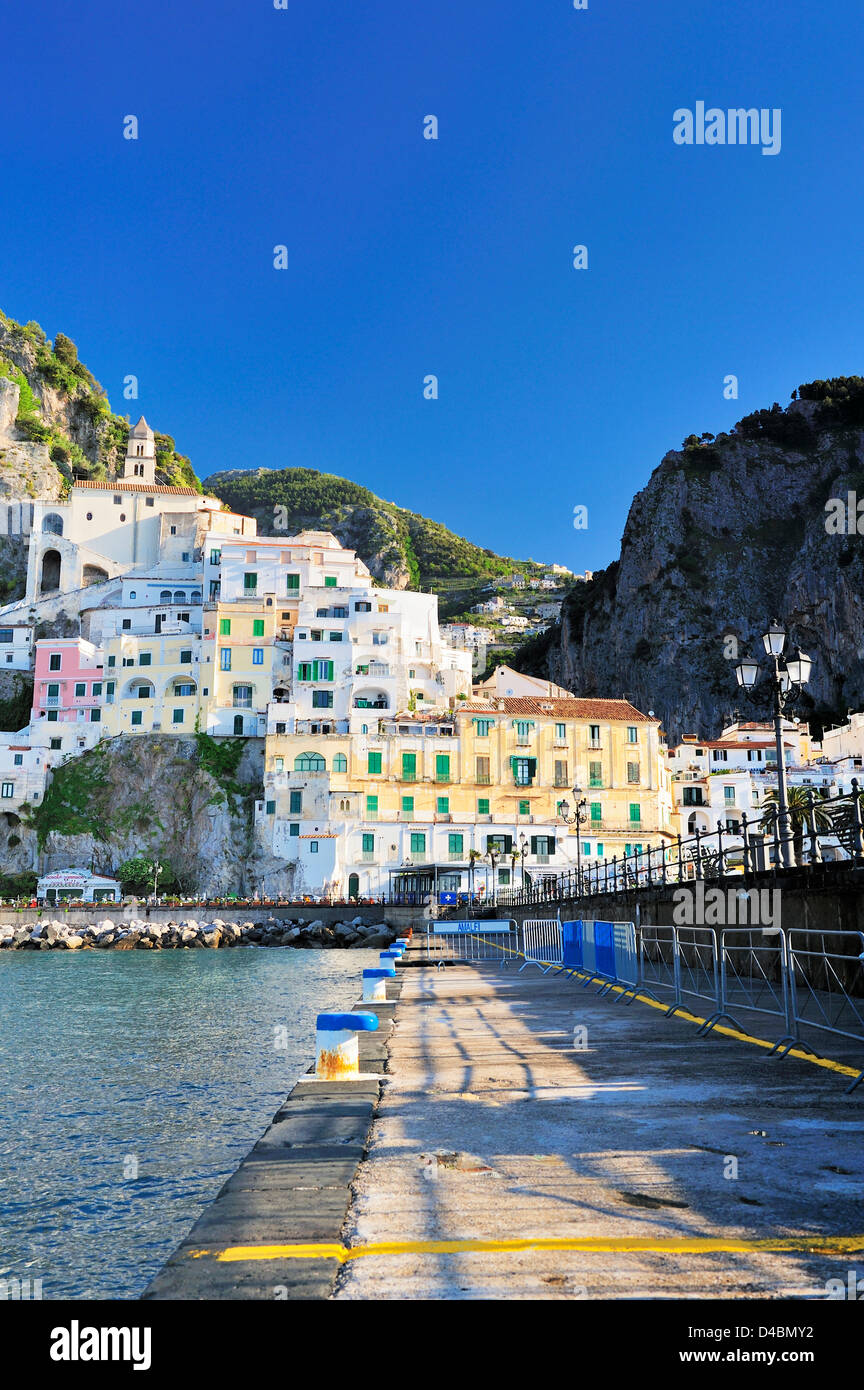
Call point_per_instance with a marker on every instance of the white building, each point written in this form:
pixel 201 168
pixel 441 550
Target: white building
pixel 16 647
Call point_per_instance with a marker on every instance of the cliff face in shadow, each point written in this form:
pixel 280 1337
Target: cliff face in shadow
pixel 728 534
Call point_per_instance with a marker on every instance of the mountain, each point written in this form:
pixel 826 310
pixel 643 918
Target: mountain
pixel 401 548
pixel 729 533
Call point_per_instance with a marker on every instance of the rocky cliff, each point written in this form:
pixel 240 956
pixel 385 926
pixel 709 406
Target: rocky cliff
pixel 729 533
pixel 188 802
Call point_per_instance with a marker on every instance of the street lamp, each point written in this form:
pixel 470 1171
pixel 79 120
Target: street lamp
pixel 157 869
pixel 788 678
pixel 578 818
pixel 523 850
pixel 493 856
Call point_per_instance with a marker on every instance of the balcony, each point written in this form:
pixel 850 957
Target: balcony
pixel 366 856
pixel 483 779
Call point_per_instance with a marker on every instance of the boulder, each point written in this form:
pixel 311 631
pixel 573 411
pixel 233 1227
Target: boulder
pixel 212 939
pixel 105 940
pixel 379 941
pixel 72 942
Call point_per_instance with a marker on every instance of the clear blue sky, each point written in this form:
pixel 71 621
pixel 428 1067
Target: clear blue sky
pixel 407 257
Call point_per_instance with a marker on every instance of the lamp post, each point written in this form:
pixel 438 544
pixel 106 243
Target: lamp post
pixel 157 869
pixel 788 678
pixel 578 818
pixel 493 855
pixel 523 850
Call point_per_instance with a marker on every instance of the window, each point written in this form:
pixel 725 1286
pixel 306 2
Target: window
pixel 322 699
pixel 184 688
pixel 56 743
pixel 270 808
pixel 560 733
pixel 504 877
pixel 561 778
pixel 292 583
pixel 483 806
pixel 633 772
pixel 368 844
pixel 224 627
pixel 257 627
pixel 340 763
pixel 596 810
pixel 442 805
pixel 523 729
pixel 313 846
pixel 542 844
pixel 442 767
pixel 6 634
pixel 309 762
pixel 329 581
pixel 54 661
pixel 315 671
pixel 225 658
pixel 95 716
pixel 409 767
pixel 295 803
pixel 316 635
pixel 215 557
pixel 599 851
pixel 693 796
pixel 250 582
pixel 372 805
pixel 374 765
pixel 632 733
pixel 80 689
pixel 524 808
pixel 8 789
pixel 294 828
pixel 52 716
pixel 137 716
pixel 54 690
pixel 501 844
pixel 729 796
pixel 523 771
pixel 455 844
pixel 186 658
pixel 257 656
pixel 719 755
pixel 335 636
pixel 635 812
pixel 418 842
pixel 241 696
pixel 595 774
pixel 177 716
pixel 18 760
pixel 145 659
pixel 117 500
pixel 482 772
pixel 362 607
pixel 408 804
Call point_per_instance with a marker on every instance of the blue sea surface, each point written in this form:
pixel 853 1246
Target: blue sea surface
pixel 131 1086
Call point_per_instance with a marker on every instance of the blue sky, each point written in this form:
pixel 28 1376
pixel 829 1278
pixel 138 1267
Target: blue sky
pixel 408 257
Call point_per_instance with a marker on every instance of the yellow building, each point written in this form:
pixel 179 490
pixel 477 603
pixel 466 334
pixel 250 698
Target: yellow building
pixel 439 791
pixel 246 663
pixel 152 683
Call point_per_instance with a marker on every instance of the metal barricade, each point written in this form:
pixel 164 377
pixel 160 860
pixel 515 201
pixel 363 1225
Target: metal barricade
pixel 826 987
pixel 602 951
pixel 658 950
pixel 754 975
pixel 697 970
pixel 542 943
pixel 469 940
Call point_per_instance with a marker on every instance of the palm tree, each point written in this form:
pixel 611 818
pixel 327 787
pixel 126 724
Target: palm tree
pixel 798 803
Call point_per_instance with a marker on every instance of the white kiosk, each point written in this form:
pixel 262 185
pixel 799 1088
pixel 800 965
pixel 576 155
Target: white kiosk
pixel 77 885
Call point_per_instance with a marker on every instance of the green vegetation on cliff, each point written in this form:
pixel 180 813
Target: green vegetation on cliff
pixel 387 537
pixel 62 405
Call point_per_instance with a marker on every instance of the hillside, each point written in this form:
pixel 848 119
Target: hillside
pixel 401 548
pixel 62 407
pixel 729 533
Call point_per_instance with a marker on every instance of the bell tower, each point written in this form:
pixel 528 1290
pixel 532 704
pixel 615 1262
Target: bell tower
pixel 139 465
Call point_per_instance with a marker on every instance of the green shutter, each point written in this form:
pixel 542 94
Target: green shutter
pixel 368 842
pixel 409 767
pixel 442 767
pixel 374 762
pixel 455 843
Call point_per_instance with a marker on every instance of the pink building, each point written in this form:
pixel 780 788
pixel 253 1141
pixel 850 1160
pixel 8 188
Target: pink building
pixel 67 695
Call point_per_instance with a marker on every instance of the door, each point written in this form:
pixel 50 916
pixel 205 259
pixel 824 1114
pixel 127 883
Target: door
pixel 238 724
pixel 353 885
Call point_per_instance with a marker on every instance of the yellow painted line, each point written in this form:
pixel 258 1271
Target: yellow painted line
pixel 826 1062
pixel 679 1245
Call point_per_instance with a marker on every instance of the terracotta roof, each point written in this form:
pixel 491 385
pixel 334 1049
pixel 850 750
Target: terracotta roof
pixel 124 485
pixel 564 709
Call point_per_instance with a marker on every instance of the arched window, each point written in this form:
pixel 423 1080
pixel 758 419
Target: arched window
pixel 165 596
pixel 309 762
pixel 52 524
pixel 340 763
pixel 196 595
pixel 179 595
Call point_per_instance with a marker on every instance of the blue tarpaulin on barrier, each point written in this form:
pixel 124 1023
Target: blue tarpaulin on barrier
pixel 571 941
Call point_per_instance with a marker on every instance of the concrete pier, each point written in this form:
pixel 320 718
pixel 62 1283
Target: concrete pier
pixel 529 1139
pixel 634 1144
